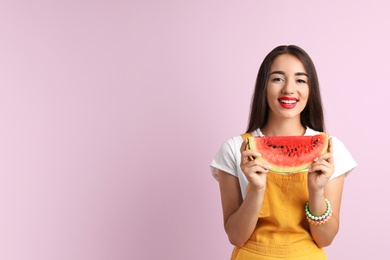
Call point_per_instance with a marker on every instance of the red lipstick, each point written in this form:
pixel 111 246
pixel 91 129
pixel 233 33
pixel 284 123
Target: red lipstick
pixel 288 102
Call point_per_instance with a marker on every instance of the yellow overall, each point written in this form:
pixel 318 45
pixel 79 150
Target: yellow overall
pixel 282 231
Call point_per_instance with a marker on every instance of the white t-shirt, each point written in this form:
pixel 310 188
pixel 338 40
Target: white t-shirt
pixel 228 158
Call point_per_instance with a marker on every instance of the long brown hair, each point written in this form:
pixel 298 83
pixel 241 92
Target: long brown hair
pixel 312 116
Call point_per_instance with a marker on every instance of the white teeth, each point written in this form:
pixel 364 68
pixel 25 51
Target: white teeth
pixel 288 101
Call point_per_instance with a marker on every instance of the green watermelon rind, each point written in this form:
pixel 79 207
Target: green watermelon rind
pixel 289 169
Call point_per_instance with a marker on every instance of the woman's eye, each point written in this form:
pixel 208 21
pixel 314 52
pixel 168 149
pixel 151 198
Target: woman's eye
pixel 301 81
pixel 277 79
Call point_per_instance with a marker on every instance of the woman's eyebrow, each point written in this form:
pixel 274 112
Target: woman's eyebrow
pixel 278 72
pixel 283 73
pixel 301 74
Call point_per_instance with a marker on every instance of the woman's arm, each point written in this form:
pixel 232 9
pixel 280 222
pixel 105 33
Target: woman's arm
pixel 320 188
pixel 324 234
pixel 240 216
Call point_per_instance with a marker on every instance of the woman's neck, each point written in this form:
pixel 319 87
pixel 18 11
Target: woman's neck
pixel 285 128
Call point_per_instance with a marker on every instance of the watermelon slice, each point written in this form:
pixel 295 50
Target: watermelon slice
pixel 288 154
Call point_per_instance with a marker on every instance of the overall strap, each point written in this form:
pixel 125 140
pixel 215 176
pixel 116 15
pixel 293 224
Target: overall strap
pixel 246 135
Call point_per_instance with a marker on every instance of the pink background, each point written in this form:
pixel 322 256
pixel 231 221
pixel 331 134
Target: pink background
pixel 111 112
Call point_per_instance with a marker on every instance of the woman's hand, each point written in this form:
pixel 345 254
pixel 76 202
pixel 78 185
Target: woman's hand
pixel 254 170
pixel 321 170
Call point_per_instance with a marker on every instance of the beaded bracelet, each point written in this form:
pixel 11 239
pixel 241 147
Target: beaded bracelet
pixel 318 220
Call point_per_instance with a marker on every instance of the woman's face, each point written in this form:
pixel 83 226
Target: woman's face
pixel 287 87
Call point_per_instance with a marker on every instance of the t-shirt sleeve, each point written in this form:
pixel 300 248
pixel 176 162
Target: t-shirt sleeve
pixel 343 161
pixel 225 159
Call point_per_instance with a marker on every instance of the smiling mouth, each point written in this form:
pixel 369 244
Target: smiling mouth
pixel 287 101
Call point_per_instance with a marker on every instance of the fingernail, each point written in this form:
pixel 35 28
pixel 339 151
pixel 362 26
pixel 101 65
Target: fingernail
pixel 315 159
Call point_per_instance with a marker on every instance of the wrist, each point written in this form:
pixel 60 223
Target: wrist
pixel 257 190
pixel 317 193
pixel 316 203
pixel 318 219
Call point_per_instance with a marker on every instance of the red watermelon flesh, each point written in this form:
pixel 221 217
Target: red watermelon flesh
pixel 287 154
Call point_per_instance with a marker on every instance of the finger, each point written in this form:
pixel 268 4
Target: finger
pixel 244 145
pixel 328 157
pixel 322 169
pixel 321 164
pixel 325 156
pixel 315 169
pixel 250 153
pixel 330 145
pixel 255 169
pixel 330 150
pixel 246 152
pixel 260 164
pixel 255 164
pixel 322 161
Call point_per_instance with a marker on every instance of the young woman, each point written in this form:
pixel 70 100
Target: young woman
pixel 265 213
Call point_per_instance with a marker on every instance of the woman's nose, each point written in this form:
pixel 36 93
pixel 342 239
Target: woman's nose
pixel 288 87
